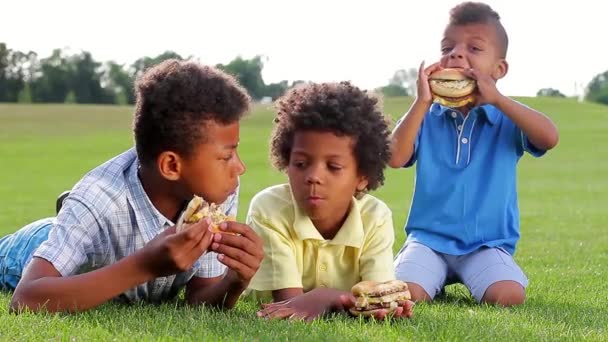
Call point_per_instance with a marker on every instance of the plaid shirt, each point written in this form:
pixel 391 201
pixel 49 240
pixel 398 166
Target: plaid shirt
pixel 107 217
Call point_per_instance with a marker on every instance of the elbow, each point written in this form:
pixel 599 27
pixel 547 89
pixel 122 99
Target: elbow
pixel 394 163
pixel 553 140
pixel 22 302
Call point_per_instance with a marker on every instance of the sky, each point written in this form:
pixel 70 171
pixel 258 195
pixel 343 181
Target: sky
pixel 558 44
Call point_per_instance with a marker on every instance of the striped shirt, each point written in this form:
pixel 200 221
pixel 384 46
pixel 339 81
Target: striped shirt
pixel 107 217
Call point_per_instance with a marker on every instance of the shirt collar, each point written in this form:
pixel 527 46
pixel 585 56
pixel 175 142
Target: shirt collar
pixel 142 206
pixel 350 234
pixel 488 111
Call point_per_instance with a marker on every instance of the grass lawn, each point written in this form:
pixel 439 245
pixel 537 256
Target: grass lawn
pixel 45 149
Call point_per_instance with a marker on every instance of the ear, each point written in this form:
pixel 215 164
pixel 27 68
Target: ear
pixel 169 165
pixel 501 69
pixel 362 185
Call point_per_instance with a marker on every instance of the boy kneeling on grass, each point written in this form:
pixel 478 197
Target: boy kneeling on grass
pixel 115 234
pixel 322 233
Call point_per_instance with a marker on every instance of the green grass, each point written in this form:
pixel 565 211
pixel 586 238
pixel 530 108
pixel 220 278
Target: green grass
pixel 45 149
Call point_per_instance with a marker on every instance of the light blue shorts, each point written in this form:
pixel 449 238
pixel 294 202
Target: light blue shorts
pixel 16 250
pixel 417 263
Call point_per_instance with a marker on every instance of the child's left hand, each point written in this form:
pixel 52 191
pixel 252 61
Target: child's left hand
pixel 487 93
pixel 242 251
pixel 307 306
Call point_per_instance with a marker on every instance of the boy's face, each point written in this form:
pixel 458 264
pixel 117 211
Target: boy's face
pixel 323 176
pixel 474 46
pixel 213 168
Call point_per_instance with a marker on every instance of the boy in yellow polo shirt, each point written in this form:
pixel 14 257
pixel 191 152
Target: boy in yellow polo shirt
pixel 322 233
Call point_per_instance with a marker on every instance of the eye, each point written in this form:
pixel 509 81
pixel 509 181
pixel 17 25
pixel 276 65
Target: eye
pixel 228 157
pixel 446 49
pixel 298 164
pixel 476 48
pixel 334 167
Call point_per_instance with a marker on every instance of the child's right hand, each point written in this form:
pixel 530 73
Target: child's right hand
pixel 423 93
pixel 170 252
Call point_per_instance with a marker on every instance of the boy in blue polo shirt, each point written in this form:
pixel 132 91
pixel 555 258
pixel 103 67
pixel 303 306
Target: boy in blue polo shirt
pixel 463 224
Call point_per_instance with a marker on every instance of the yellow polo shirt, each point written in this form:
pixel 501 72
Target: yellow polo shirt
pixel 297 256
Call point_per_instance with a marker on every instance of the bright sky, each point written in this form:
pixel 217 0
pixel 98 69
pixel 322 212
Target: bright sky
pixel 552 43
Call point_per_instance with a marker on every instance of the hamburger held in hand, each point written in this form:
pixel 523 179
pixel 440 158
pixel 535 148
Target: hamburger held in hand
pixel 198 209
pixel 372 296
pixel 452 88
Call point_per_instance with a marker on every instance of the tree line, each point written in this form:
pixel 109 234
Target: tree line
pixel 66 77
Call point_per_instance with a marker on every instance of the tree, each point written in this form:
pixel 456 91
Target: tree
pixel 276 90
pixel 144 63
pixel 249 74
pixel 549 92
pixel 597 90
pixel 116 78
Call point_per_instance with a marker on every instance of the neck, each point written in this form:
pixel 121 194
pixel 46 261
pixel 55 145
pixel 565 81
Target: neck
pixel 159 192
pixel 329 227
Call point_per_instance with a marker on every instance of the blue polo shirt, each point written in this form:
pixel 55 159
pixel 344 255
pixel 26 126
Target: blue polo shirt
pixel 465 194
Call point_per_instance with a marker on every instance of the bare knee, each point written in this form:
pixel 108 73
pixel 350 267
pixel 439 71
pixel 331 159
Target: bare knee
pixel 418 293
pixel 505 293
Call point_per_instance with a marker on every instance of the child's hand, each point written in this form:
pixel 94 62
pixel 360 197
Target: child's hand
pixel 348 301
pixel 487 93
pixel 307 306
pixel 242 253
pixel 422 83
pixel 170 253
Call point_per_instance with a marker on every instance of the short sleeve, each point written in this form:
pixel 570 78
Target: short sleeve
pixel 279 268
pixel 74 236
pixel 376 261
pixel 524 144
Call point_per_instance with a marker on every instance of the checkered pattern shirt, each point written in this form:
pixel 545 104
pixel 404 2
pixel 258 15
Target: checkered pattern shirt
pixel 107 217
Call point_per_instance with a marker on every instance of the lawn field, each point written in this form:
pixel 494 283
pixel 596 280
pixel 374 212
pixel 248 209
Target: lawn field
pixel 45 149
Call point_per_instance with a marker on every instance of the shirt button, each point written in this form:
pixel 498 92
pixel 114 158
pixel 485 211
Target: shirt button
pixel 454 115
pixel 464 140
pixel 323 267
pixel 459 127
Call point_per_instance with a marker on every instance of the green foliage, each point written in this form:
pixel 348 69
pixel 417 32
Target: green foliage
pixel 549 92
pixel 597 90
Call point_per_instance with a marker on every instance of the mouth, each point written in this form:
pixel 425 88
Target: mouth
pixel 315 200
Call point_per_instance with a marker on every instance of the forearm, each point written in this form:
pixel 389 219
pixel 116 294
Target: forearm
pixel 404 134
pixel 539 129
pixel 79 292
pixel 223 294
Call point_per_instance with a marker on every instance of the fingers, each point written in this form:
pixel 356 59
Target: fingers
pixel 247 242
pixel 237 254
pixel 276 313
pixel 244 271
pixel 241 229
pixel 432 68
pixel 203 245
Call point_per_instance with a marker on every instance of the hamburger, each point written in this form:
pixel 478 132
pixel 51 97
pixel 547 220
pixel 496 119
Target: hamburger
pixel 372 296
pixel 452 88
pixel 198 209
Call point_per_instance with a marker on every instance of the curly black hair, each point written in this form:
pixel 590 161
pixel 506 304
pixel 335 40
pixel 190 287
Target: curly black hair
pixel 174 98
pixel 480 13
pixel 340 108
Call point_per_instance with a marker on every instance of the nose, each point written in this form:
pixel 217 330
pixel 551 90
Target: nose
pixel 457 52
pixel 313 176
pixel 240 166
